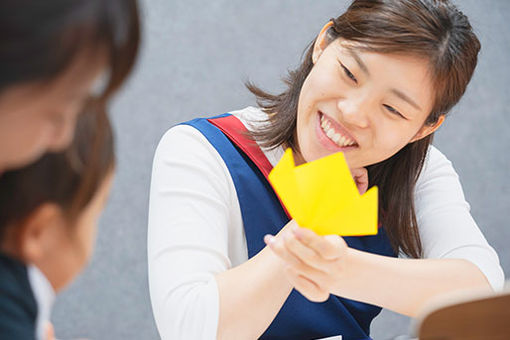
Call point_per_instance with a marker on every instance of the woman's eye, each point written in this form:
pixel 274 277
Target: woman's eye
pixel 393 111
pixel 349 74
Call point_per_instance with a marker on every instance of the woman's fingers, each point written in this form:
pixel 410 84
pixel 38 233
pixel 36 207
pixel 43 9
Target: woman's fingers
pixel 308 288
pixel 303 252
pixel 330 247
pixel 313 263
pixel 295 254
pixel 278 247
pixel 360 176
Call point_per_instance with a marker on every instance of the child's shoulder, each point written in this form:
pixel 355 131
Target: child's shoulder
pixel 18 306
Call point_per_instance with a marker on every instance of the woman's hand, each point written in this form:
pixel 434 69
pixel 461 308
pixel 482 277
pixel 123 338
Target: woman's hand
pixel 314 264
pixel 360 176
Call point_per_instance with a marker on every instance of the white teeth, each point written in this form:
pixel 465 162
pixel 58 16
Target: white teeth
pixel 333 135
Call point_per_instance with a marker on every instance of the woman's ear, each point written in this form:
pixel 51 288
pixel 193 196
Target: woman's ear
pixel 39 232
pixel 428 129
pixel 321 42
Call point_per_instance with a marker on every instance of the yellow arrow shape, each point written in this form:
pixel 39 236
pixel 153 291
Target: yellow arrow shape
pixel 322 196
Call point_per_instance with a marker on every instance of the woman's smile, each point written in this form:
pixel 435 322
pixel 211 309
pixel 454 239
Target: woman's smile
pixel 332 135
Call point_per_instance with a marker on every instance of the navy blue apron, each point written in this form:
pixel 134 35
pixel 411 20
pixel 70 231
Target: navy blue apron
pixel 262 214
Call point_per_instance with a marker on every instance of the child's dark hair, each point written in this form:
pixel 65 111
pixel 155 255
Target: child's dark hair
pixel 69 179
pixel 40 39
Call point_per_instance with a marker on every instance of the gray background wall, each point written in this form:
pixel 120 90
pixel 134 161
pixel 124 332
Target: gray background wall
pixel 194 59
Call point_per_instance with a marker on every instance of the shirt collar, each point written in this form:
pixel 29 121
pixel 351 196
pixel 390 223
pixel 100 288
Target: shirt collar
pixel 44 296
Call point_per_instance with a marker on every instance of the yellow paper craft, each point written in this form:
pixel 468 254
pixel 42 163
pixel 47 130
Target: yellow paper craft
pixel 322 196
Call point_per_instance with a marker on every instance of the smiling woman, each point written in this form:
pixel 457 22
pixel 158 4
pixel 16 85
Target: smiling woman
pixel 391 57
pixel 376 83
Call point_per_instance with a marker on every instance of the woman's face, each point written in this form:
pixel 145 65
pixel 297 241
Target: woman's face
pixel 40 117
pixel 367 105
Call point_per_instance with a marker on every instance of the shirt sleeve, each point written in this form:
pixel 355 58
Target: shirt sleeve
pixel 447 229
pixel 187 234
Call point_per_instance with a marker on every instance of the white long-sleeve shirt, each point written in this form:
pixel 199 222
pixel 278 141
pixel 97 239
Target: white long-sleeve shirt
pixel 196 229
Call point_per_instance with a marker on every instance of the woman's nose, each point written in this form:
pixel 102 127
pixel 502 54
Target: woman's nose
pixel 355 111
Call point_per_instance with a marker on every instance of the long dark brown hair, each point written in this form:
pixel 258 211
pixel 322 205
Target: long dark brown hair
pixel 432 29
pixel 69 179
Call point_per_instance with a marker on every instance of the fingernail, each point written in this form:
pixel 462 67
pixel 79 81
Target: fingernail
pixel 296 231
pixel 269 239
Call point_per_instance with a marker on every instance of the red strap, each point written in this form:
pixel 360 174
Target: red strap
pixel 235 130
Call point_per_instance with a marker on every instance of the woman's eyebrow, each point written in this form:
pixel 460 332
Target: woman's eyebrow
pixel 405 98
pixel 360 62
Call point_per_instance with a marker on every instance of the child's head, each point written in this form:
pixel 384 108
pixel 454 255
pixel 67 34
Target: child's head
pixel 53 54
pixel 50 208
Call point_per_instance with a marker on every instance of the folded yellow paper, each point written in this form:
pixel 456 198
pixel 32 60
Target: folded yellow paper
pixel 322 196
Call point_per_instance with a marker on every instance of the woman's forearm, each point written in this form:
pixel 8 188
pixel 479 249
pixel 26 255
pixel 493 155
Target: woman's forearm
pixel 406 285
pixel 250 296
